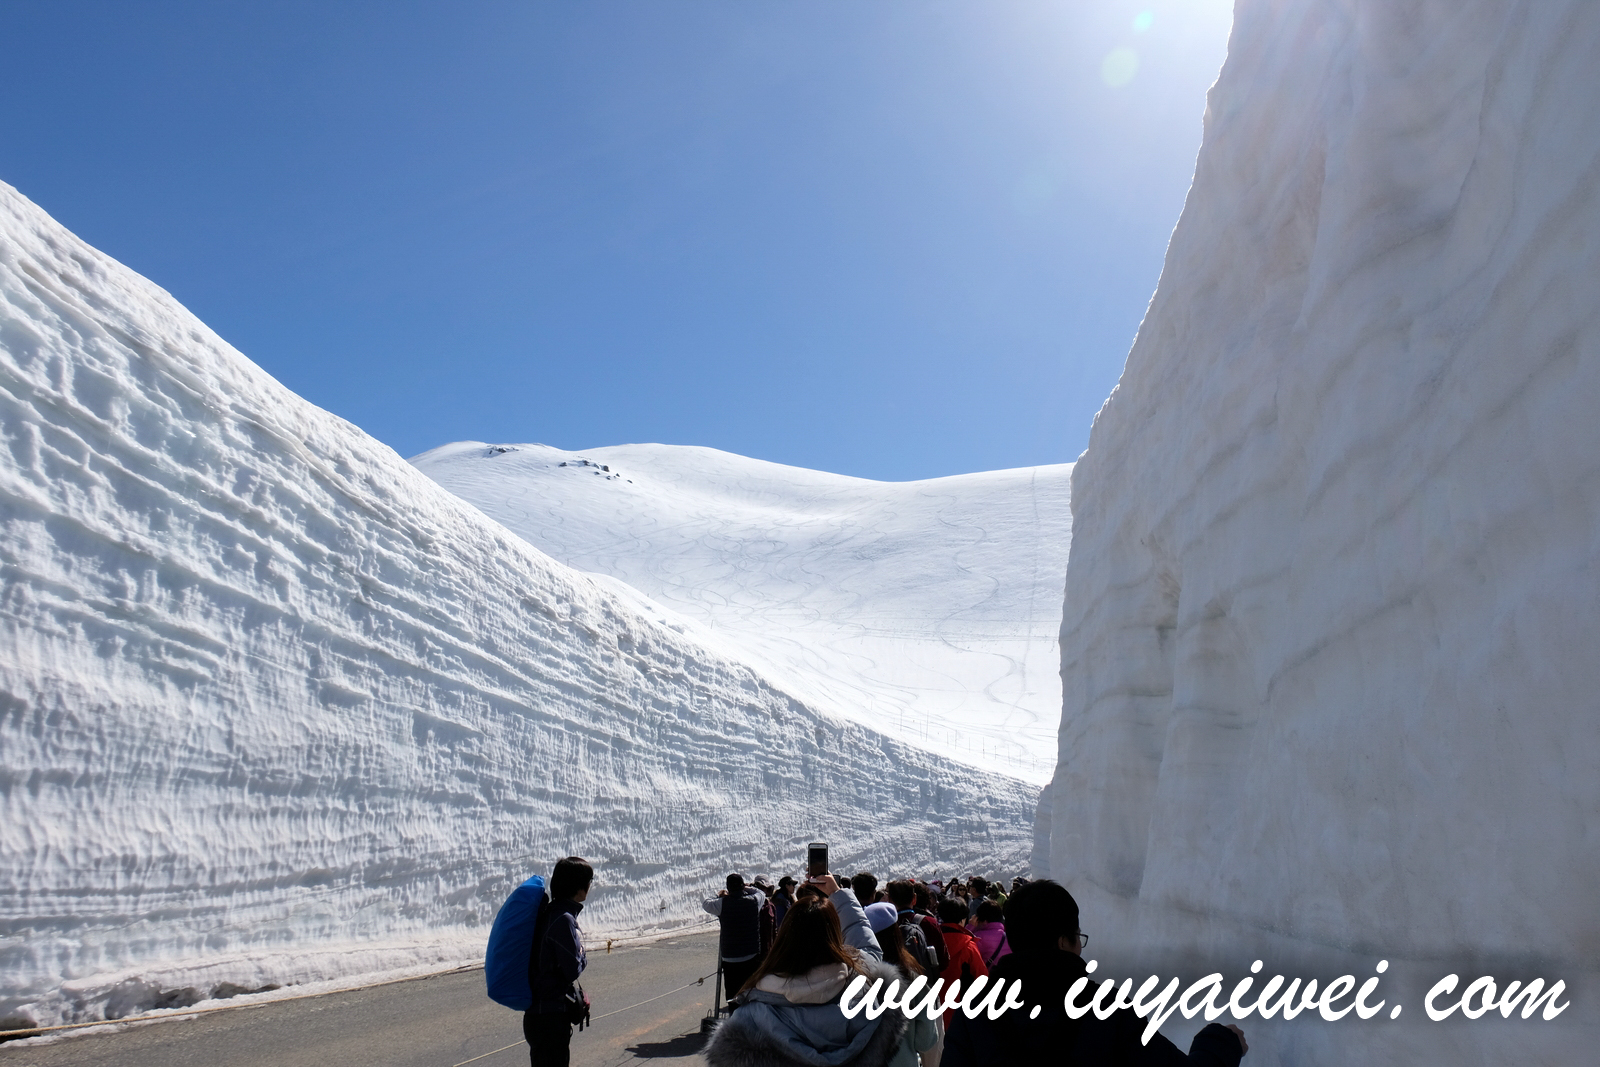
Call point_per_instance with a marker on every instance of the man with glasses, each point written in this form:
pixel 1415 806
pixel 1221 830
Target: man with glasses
pixel 1047 957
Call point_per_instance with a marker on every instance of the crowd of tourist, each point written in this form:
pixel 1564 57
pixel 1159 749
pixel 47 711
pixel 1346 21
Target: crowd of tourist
pixel 790 949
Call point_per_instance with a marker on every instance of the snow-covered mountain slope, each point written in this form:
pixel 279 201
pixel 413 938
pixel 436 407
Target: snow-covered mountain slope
pixel 926 609
pixel 274 705
pixel 1328 649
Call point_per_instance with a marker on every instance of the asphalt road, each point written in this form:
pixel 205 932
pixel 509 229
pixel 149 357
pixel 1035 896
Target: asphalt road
pixel 443 1021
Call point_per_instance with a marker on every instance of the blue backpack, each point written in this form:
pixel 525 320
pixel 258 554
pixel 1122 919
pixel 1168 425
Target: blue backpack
pixel 508 959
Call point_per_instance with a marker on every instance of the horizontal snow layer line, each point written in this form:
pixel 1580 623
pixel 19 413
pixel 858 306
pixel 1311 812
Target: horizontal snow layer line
pixel 270 688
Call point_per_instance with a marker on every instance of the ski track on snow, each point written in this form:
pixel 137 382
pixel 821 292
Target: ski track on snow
pixel 910 607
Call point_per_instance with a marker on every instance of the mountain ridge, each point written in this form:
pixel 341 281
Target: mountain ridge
pixel 926 608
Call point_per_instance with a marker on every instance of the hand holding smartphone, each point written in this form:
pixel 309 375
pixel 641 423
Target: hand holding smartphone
pixel 825 883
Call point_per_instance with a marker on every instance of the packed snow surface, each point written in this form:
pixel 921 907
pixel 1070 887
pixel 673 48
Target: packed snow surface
pixel 928 610
pixel 274 706
pixel 1329 643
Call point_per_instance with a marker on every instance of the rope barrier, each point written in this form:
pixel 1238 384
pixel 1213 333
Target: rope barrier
pixel 486 1055
pixel 668 993
pixel 698 981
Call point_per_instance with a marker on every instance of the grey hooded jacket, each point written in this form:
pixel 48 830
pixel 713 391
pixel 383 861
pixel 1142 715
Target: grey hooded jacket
pixel 769 1030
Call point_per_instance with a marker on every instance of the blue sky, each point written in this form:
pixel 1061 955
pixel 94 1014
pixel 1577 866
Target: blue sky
pixel 888 239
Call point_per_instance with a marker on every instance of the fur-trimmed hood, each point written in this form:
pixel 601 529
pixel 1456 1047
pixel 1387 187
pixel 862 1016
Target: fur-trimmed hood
pixel 769 1030
pixel 817 986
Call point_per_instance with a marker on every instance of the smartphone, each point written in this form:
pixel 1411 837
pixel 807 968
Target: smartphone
pixel 816 858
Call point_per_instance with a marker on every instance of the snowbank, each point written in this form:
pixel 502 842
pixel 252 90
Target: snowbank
pixel 1328 647
pixel 275 705
pixel 928 610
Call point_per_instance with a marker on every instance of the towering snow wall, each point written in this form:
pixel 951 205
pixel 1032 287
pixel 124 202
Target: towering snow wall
pixel 273 705
pixel 1329 643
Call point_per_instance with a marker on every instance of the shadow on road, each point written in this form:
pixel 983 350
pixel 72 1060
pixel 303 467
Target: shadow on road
pixel 686 1045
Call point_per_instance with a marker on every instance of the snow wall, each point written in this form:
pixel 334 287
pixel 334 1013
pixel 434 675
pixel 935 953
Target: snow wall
pixel 1329 664
pixel 276 707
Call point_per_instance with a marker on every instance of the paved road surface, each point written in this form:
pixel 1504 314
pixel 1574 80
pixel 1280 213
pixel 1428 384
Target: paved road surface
pixel 434 1022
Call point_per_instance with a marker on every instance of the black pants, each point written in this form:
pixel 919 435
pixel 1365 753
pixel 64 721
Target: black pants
pixel 549 1038
pixel 735 975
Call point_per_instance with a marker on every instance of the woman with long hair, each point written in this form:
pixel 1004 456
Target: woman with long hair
pixel 923 1043
pixel 891 938
pixel 788 1013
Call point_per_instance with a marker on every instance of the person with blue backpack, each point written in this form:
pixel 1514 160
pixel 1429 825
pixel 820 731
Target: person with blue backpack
pixel 554 966
pixel 535 955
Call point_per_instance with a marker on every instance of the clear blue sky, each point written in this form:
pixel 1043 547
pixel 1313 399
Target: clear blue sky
pixel 889 239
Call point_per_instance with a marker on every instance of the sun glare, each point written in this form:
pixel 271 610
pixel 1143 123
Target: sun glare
pixel 1119 67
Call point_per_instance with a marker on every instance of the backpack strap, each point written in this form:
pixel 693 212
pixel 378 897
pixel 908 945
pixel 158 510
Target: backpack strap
pixel 989 960
pixel 541 929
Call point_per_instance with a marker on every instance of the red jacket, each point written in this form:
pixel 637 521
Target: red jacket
pixel 966 959
pixel 768 917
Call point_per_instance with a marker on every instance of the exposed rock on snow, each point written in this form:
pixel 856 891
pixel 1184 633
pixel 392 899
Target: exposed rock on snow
pixel 274 706
pixel 1328 646
pixel 926 609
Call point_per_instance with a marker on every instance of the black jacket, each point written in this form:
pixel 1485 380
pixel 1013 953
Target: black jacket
pixel 558 957
pixel 740 916
pixel 1057 1039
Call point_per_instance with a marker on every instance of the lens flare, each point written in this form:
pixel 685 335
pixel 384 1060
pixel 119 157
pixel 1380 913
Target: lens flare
pixel 1143 21
pixel 1119 67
